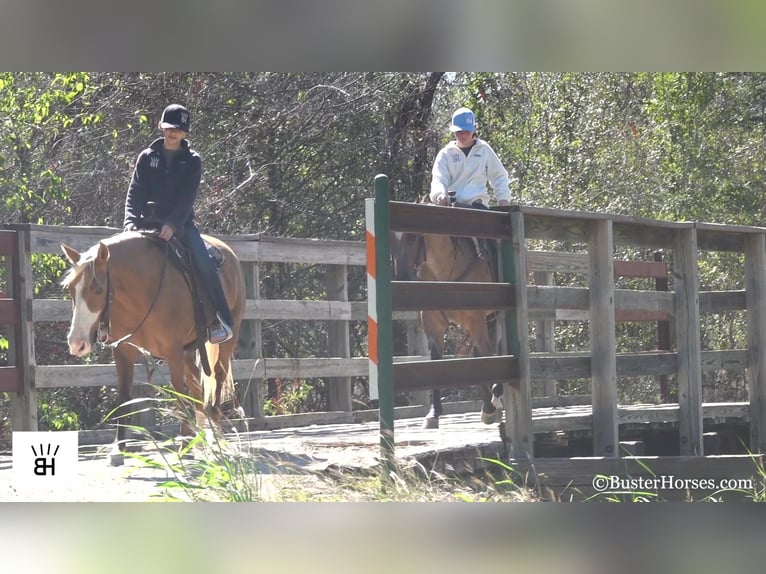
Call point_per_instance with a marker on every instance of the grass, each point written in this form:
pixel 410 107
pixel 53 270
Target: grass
pixel 211 467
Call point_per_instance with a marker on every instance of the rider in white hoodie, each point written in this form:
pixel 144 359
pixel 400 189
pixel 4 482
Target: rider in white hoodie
pixel 467 166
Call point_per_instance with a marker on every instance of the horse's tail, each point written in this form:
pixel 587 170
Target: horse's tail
pixel 212 396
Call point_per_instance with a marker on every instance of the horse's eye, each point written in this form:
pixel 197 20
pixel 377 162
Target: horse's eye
pixel 98 290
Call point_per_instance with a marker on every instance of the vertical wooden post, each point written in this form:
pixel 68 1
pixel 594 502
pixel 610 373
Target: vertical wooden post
pixel 24 403
pixel 755 294
pixel 249 344
pixel 338 345
pixel 663 331
pixel 603 357
pixel 517 395
pixel 544 331
pixel 686 283
pixel 379 314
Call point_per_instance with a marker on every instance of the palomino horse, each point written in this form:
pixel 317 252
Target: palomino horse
pixel 432 257
pixel 126 292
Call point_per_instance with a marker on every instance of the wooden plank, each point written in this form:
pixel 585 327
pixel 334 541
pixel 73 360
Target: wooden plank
pixel 9 314
pixel 654 235
pixel 443 295
pixel 339 395
pixel 552 224
pixel 517 395
pixel 577 365
pixel 545 333
pixel 56 376
pixel 300 250
pixel 250 343
pixel 725 237
pixel 724 359
pixel 556 262
pixel 640 268
pixel 564 262
pixel 453 373
pixel 755 282
pixel 578 418
pixel 686 281
pixel 542 365
pixel 8 243
pixel 48 239
pixel 660 303
pixel 628 303
pixel 603 341
pixel 22 340
pixel 579 472
pixel 722 301
pixel 455 221
pixel 544 297
pixel 10 379
pixel 255 309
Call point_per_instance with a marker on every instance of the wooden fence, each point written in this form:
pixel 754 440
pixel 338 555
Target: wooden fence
pixel 251 368
pixel 600 301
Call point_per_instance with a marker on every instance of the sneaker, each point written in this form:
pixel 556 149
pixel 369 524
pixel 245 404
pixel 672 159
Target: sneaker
pixel 220 332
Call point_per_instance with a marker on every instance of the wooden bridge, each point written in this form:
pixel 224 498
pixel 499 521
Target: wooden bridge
pixel 603 305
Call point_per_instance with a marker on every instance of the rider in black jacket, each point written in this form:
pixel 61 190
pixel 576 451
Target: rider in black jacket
pixel 167 174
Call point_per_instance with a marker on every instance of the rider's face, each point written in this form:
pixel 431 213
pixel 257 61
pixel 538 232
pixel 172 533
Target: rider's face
pixel 464 138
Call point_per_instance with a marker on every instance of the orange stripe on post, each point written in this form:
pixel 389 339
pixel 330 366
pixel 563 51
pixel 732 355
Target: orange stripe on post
pixel 372 340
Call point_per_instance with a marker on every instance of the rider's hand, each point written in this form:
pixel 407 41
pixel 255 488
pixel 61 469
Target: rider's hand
pixel 131 227
pixel 166 232
pixel 442 200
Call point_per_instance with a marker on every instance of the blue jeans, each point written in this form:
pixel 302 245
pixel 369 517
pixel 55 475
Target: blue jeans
pixel 206 270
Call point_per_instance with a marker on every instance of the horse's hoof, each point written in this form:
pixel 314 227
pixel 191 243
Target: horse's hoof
pixel 116 458
pixel 431 423
pixel 489 418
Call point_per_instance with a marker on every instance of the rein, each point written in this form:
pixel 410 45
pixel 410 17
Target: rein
pixel 473 263
pixel 104 327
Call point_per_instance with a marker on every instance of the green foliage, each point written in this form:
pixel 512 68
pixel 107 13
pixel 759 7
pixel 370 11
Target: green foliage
pixel 55 417
pixel 292 396
pixel 294 154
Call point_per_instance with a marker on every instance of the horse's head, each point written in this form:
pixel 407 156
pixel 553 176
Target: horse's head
pixel 87 284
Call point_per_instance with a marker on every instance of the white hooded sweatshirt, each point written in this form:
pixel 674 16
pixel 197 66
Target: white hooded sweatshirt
pixel 469 175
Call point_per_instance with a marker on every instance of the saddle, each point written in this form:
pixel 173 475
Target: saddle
pixel 180 256
pixel 204 310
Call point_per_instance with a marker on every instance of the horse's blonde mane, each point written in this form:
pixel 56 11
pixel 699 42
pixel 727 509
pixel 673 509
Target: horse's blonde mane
pixel 87 258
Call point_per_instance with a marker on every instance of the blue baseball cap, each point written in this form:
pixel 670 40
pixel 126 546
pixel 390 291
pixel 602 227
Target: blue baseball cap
pixel 463 120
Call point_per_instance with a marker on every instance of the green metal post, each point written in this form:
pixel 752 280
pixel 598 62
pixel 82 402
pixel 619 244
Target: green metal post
pixel 385 322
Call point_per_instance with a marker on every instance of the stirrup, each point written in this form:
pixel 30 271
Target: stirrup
pixel 480 253
pixel 219 333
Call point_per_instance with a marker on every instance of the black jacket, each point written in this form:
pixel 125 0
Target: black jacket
pixel 173 188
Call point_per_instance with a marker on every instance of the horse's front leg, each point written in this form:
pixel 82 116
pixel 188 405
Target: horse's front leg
pixel 189 395
pixel 434 327
pixel 125 356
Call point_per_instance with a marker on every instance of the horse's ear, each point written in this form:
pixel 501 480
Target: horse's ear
pixel 71 253
pixel 103 253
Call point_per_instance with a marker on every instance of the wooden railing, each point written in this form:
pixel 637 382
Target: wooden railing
pixel 600 303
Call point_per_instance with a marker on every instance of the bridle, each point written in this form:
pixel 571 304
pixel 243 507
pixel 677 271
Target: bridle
pixel 104 321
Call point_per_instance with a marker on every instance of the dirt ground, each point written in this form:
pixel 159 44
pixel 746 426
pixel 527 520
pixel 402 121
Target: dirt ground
pixel 290 460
